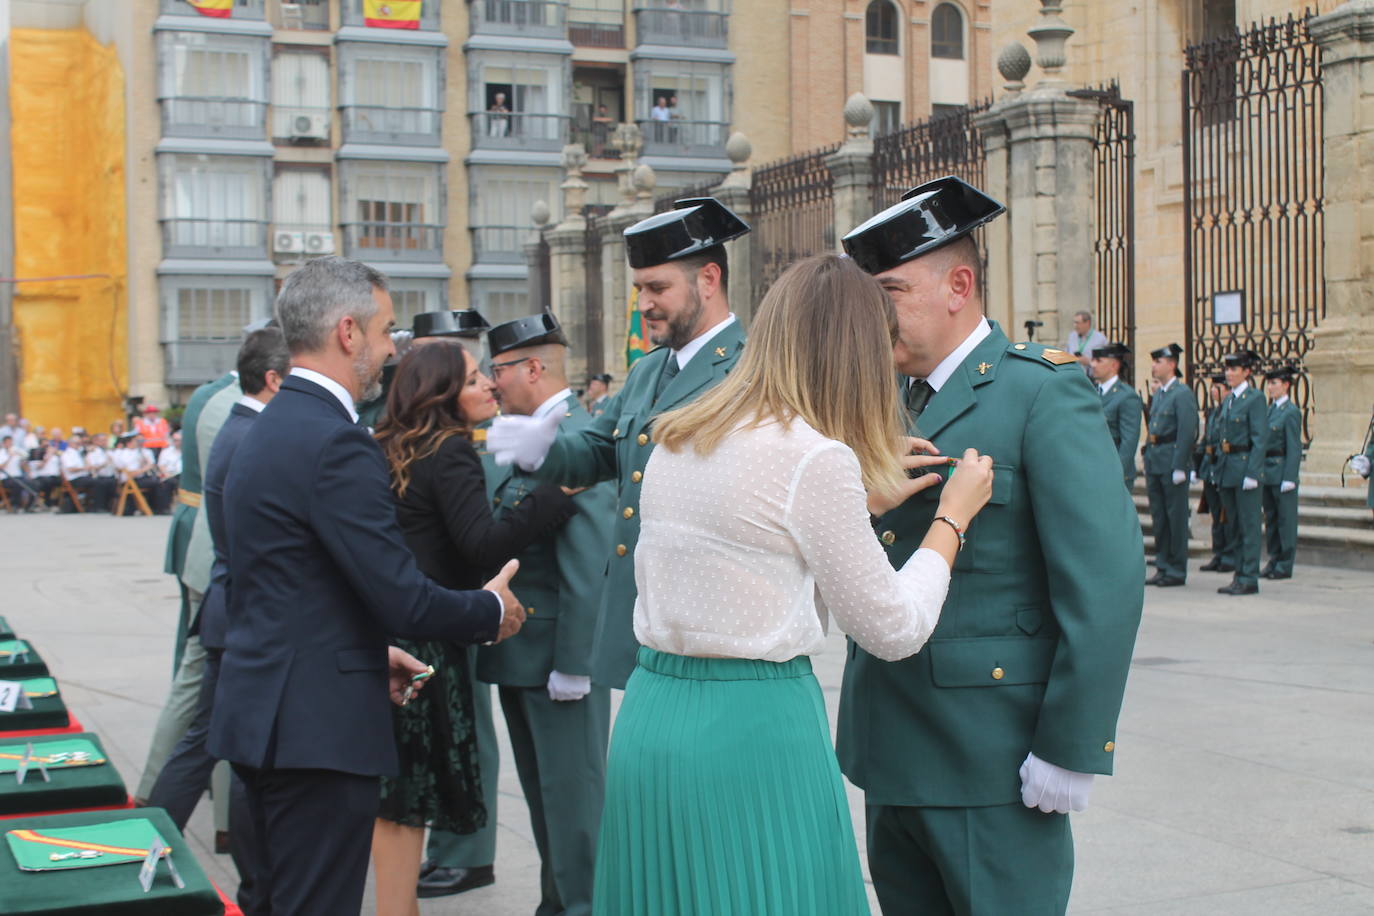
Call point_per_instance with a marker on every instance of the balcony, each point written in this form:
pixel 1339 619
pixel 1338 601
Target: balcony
pixel 308 15
pixel 294 242
pixel 242 9
pixel 429 14
pixel 518 130
pixel 595 137
pixel 684 138
pixel 500 244
pixel 214 238
pixel 682 28
pixel 191 362
pixel 199 116
pixel 526 18
pixel 372 241
pixel 400 126
pixel 596 27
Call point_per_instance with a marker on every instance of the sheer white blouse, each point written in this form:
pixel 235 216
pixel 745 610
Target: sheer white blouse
pixel 741 553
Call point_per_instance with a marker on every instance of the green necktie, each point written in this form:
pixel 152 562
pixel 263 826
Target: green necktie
pixel 670 369
pixel 918 396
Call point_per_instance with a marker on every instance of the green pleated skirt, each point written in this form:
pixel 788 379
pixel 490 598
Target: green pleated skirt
pixel 723 796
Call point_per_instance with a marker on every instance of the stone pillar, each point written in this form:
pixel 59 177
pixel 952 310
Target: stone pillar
pixel 734 193
pixel 534 264
pixel 1341 361
pixel 567 262
pixel 851 168
pixel 1039 147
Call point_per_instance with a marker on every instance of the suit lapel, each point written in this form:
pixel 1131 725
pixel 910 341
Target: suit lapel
pixel 709 364
pixel 957 395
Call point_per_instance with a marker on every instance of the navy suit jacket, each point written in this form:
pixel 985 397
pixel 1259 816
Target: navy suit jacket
pixel 321 580
pixel 212 621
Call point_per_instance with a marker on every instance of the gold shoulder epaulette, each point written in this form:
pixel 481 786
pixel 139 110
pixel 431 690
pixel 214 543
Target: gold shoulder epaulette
pixel 479 435
pixel 1058 357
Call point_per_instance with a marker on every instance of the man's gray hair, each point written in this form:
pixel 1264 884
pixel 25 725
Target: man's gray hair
pixel 318 294
pixel 1086 316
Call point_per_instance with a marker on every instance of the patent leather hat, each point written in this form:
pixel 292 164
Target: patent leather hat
pixel 525 332
pixel 1112 350
pixel 692 226
pixel 927 217
pixel 1172 351
pixel 457 323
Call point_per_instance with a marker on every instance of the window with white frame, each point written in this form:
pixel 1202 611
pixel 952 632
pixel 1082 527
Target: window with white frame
pixel 880 27
pixel 300 96
pixel 301 199
pixel 203 319
pixel 410 296
pixel 392 207
pixel 947 32
pixel 517 95
pixel 390 93
pixel 212 83
pixel 500 200
pixel 500 301
pixel 214 204
pixel 682 103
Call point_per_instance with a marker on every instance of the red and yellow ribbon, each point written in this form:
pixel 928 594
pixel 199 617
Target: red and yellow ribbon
pixel 33 837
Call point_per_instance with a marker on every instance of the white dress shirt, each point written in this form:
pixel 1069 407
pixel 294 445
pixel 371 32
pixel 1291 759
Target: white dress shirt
pixel 955 359
pixel 745 552
pixel 169 461
pixel 253 403
pixel 328 384
pixel 1281 401
pixel 74 464
pixel 1239 389
pixel 1108 385
pixel 693 347
pixel 552 404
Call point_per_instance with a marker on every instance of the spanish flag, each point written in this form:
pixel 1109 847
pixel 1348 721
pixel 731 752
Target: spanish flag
pixel 634 336
pixel 392 14
pixel 220 9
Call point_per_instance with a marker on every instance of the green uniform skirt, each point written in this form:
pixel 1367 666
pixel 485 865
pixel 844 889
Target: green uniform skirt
pixel 723 796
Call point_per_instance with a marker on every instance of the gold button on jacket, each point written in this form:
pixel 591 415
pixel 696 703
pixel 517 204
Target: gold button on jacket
pixel 642 439
pixel 636 477
pixel 1109 746
pixel 998 674
pixel 620 550
pixel 629 512
pixel 889 538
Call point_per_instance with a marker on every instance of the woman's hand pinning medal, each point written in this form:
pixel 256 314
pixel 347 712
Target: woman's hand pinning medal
pixel 969 481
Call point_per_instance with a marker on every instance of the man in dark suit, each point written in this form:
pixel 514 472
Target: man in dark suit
pixel 321 578
pixel 263 362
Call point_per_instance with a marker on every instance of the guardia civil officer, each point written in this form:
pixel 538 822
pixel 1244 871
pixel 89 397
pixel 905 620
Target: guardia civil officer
pixel 681 273
pixel 1223 531
pixel 558 720
pixel 1282 453
pixel 1240 466
pixel 972 752
pixel 1120 404
pixel 1168 458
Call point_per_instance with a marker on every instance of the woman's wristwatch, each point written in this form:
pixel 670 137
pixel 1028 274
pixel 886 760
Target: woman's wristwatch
pixel 958 530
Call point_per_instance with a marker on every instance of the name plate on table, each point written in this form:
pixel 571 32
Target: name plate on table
pixel 63 848
pixel 57 754
pixel 13 696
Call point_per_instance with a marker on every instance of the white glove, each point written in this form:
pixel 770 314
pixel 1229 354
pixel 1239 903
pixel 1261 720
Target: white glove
pixel 568 686
pixel 1287 485
pixel 1249 483
pixel 1179 477
pixel 1361 465
pixel 1052 788
pixel 523 440
pixel 1192 477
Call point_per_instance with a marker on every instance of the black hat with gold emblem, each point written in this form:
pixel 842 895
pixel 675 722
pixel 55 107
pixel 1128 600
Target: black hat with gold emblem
pixel 525 332
pixel 1245 359
pixel 927 217
pixel 1113 350
pixel 457 323
pixel 691 227
pixel 1286 372
pixel 1172 351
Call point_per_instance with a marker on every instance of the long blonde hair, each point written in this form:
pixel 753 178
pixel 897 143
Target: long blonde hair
pixel 820 349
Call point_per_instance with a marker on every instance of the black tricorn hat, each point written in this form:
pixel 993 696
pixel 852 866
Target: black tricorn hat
pixel 603 377
pixel 1172 351
pixel 692 226
pixel 459 323
pixel 1245 359
pixel 525 332
pixel 1217 378
pixel 1113 350
pixel 927 217
pixel 1287 372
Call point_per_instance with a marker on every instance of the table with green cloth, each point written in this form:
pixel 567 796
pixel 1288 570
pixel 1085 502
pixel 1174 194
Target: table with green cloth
pixel 31 664
pixel 67 787
pixel 108 890
pixel 47 711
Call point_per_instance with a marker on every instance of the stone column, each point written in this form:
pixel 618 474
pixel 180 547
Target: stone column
pixel 534 264
pixel 567 262
pixel 1341 362
pixel 851 168
pixel 734 193
pixel 1039 147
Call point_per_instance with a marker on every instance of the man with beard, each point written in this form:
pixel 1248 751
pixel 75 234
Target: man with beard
pixel 681 273
pixel 321 579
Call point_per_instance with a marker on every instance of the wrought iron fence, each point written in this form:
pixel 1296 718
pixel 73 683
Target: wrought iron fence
pixel 1114 214
pixel 1253 212
pixel 947 144
pixel 792 207
pixel 668 201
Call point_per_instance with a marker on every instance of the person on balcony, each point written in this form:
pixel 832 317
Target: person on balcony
pixel 498 116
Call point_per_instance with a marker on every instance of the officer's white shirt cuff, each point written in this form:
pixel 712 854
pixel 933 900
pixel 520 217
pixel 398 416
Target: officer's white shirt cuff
pixel 500 606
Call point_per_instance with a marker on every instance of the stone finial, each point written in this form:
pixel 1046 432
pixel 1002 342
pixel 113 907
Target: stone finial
pixel 628 139
pixel 540 215
pixel 574 158
pixel 739 149
pixel 1014 63
pixel 1049 37
pixel 858 114
pixel 645 181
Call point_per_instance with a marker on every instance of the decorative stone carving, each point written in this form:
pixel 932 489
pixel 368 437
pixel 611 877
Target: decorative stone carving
pixel 1050 36
pixel 858 114
pixel 645 181
pixel 1014 63
pixel 539 214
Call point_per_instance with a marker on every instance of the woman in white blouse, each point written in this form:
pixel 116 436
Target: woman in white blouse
pixel 723 795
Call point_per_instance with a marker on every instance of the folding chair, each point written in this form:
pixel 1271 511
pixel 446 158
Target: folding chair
pixel 5 496
pixel 130 488
pixel 70 490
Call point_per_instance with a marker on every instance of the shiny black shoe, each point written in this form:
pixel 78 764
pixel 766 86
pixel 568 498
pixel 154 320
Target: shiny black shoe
pixel 1235 588
pixel 1156 579
pixel 427 866
pixel 1212 565
pixel 1169 582
pixel 443 882
pixel 1267 572
pixel 1279 575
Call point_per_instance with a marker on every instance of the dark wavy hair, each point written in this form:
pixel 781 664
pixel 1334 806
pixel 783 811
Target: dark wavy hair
pixel 422 409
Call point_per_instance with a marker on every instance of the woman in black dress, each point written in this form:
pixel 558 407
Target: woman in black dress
pixel 437 398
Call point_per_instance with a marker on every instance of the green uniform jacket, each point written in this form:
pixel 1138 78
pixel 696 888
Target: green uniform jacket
pixel 1283 441
pixel 1123 409
pixel 1173 430
pixel 1036 634
pixel 184 516
pixel 1243 427
pixel 560 579
pixel 200 550
pixel 616 446
pixel 1211 439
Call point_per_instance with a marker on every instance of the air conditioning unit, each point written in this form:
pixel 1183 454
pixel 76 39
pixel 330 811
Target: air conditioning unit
pixel 288 242
pixel 310 127
pixel 319 243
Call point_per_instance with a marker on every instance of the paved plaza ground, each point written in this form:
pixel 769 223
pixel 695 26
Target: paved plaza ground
pixel 1245 770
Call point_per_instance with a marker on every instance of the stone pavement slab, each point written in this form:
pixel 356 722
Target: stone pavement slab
pixel 1245 771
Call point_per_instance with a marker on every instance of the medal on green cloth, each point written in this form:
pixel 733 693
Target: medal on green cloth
pixel 37 687
pixel 68 752
pixel 113 843
pixel 9 648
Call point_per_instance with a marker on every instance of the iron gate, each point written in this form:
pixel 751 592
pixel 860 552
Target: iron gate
pixel 792 208
pixel 947 144
pixel 1253 218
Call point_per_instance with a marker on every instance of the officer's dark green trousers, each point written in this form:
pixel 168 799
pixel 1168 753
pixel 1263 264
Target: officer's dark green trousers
pixel 473 850
pixel 1281 528
pixel 1223 547
pixel 1243 509
pixel 1169 522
